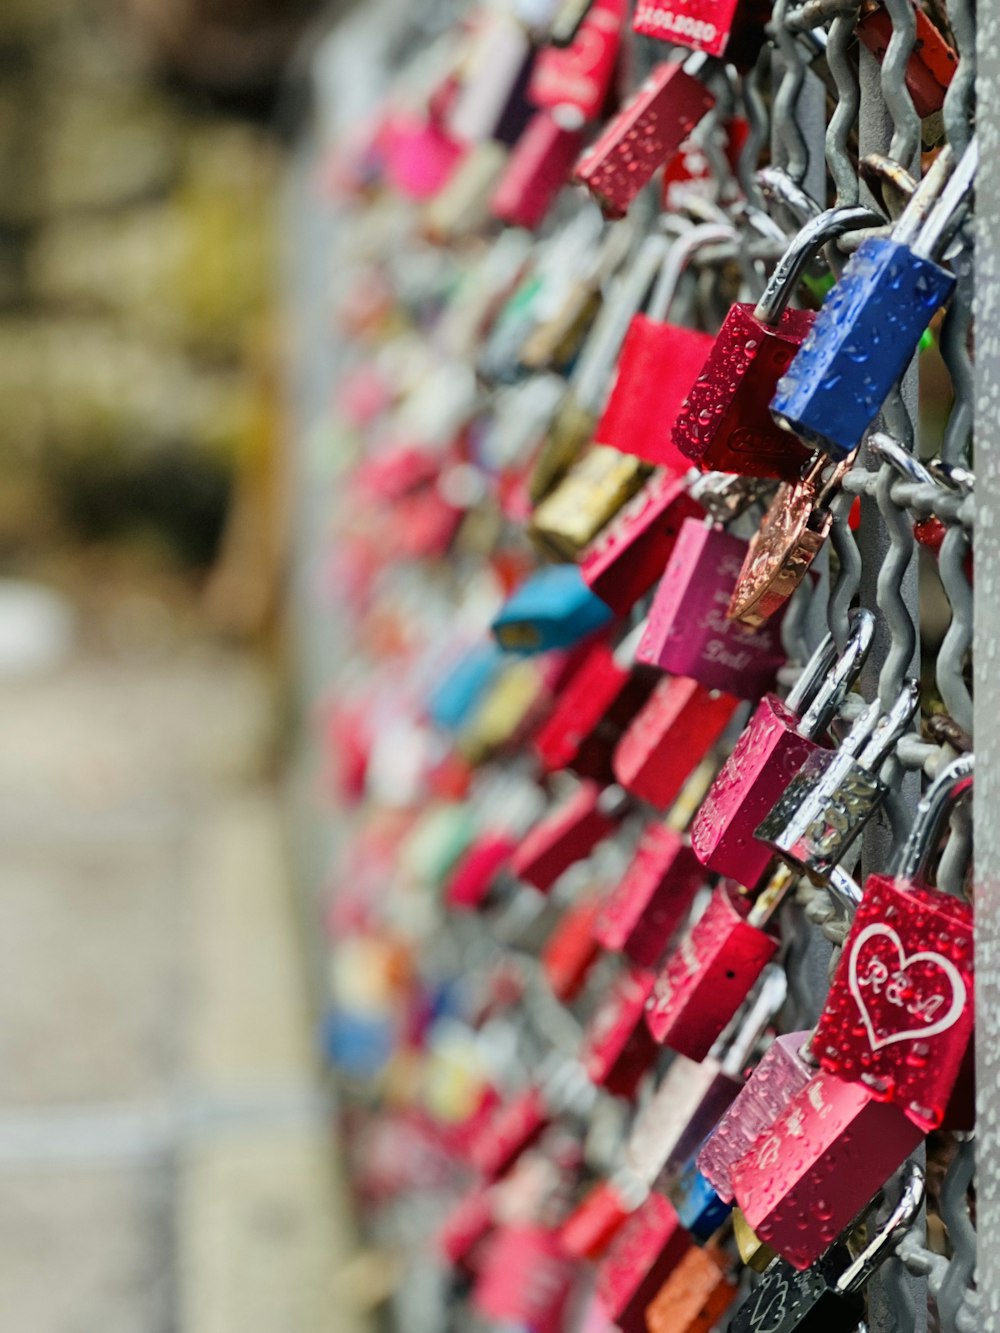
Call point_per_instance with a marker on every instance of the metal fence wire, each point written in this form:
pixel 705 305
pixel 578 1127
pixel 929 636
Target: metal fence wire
pixel 816 104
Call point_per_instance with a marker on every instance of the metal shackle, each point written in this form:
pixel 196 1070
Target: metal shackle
pixel 951 785
pixel 828 226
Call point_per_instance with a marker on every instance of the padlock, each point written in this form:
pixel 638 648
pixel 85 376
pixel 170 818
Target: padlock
pixel 674 729
pixel 701 1210
pixel 537 169
pixel 791 535
pixel 733 29
pixel 520 1121
pixel 644 1253
pixel 707 977
pixel 835 793
pixel 617 1049
pixel 455 697
pixel 691 1097
pixel 420 156
pixel 598 1218
pixel 584 501
pixel 644 134
pixel 490 103
pixel 827 1296
pixel 566 834
pixel 870 325
pixel 513 707
pixel 932 63
pixel 780 1074
pixel 775 744
pixel 571 950
pixel 751 1249
pixel 466 1227
pixel 525 1280
pixel 805 1181
pixel 462 206
pixel 473 877
pixel 659 363
pixel 687 632
pixel 695 1296
pixel 899 1015
pixel 594 707
pixel 725 423
pixel 652 898
pixel 573 80
pixel 553 608
pixel 626 558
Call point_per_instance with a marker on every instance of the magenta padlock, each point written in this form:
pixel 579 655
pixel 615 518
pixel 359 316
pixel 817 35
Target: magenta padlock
pixel 617 1049
pixel 627 556
pixel 687 632
pixel 708 975
pixel 525 1279
pixel 644 135
pixel 466 1227
pixel 652 898
pixel 692 1096
pixel 514 1126
pixel 668 737
pixel 775 1081
pixel 643 1254
pixel 420 156
pixel 776 742
pixel 804 1182
pixel 567 834
pixel 537 169
pixel 658 364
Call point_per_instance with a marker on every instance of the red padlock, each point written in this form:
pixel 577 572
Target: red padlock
pixel 804 1182
pixel 734 29
pixel 567 834
pixel 726 424
pixel 659 364
pixel 642 1256
pixel 594 707
pixel 626 558
pixel 668 737
pixel 932 63
pixel 687 632
pixel 571 950
pixel 525 1279
pixel 466 1227
pixel 593 1225
pixel 514 1126
pixel 537 169
pixel 617 1049
pixel 899 1017
pixel 574 81
pixel 644 134
pixel 475 873
pixel 778 739
pixel 652 898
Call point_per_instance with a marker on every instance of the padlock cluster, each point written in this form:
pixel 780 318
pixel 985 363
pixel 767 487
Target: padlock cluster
pixel 651 928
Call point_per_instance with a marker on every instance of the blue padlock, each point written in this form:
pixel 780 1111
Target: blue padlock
pixel 456 695
pixel 553 608
pixel 698 1206
pixel 871 323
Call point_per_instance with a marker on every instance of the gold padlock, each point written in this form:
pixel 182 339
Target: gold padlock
pixel 507 707
pixel 754 1253
pixel 568 436
pixel 556 342
pixel 586 500
pixel 462 207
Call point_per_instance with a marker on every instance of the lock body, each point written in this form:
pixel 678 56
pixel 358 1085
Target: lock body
pixel 584 501
pixel 708 976
pixel 688 634
pixel 684 1108
pixel 658 366
pixel 576 78
pixel 617 1050
pixel 643 1254
pixel 420 157
pixel 564 836
pixel 652 898
pixel 595 1222
pixel 695 1296
pixel 701 1209
pixel 473 877
pixel 572 949
pixel 514 1126
pixel 624 561
pixel 524 1279
pixel 802 1184
pixel 536 171
pixel 553 608
pixel 786 1300
pixel 863 339
pixel 899 1017
pixel 644 134
pixel 765 758
pixel 678 724
pixel 774 1082
pixel 465 1228
pixel 725 424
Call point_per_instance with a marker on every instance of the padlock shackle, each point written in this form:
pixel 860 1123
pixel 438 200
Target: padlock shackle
pixel 949 206
pixel 677 259
pixel 951 785
pixel 906 464
pixel 828 226
pixel 835 689
pixel 890 726
pixel 882 1245
pixel 777 186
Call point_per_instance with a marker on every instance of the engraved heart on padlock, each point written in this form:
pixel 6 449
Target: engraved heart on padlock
pixel 891 989
pixel 769 1314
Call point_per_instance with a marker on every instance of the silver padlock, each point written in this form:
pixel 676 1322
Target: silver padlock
pixel 836 792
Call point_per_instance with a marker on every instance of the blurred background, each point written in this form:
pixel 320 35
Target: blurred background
pixel 164 1145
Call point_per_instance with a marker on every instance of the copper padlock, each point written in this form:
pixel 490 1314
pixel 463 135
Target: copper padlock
pixel 695 1296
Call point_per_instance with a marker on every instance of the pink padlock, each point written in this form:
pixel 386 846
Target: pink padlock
pixel 709 975
pixel 687 632
pixel 617 1049
pixel 567 834
pixel 466 1227
pixel 652 898
pixel 642 1256
pixel 514 1126
pixel 420 156
pixel 537 169
pixel 525 1279
pixel 626 558
pixel 575 80
pixel 476 872
pixel 668 738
